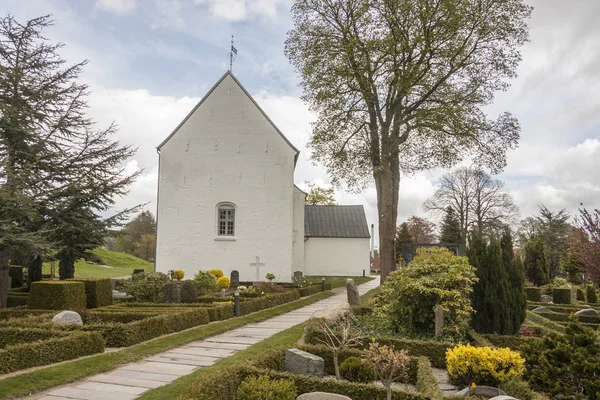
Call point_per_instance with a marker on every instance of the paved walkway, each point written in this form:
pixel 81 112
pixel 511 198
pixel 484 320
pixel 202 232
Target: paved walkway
pixel 130 380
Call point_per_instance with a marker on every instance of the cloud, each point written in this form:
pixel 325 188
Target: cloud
pixel 116 6
pixel 238 10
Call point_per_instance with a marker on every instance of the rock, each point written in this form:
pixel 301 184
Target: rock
pixel 587 311
pixel 503 397
pixel 541 309
pixel 67 318
pixel 546 298
pixel 333 312
pixel 242 287
pixel 353 295
pixel 484 391
pixel 322 396
pixel 303 363
pixel 119 295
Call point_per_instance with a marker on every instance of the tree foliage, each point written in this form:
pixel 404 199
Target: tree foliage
pixel 421 230
pixel 318 196
pixel 536 265
pixel 401 85
pixel 450 231
pixel 138 236
pixel 587 242
pixel 402 236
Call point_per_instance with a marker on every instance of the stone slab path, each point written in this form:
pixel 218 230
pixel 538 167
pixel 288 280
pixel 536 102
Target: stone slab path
pixel 130 380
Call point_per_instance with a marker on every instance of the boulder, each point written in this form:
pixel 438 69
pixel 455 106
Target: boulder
pixel 67 318
pixel 303 363
pixel 541 309
pixel 322 396
pixel 332 312
pixel 503 397
pixel 546 298
pixel 483 391
pixel 353 295
pixel 587 311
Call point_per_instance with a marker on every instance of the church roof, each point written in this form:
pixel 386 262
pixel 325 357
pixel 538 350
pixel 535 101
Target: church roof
pixel 335 222
pixel 247 94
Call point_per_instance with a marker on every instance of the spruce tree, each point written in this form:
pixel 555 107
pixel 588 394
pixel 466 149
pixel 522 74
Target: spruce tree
pixel 450 232
pixel 536 265
pixel 515 300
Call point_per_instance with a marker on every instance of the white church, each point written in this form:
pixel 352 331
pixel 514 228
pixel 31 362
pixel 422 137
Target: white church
pixel 227 199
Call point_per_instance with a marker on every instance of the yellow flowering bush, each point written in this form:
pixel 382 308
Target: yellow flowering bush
pixel 177 274
pixel 216 272
pixel 483 365
pixel 223 282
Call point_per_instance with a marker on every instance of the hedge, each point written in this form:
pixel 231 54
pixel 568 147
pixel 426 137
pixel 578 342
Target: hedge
pixel 53 350
pixel 580 295
pixel 10 336
pixel 512 342
pixel 268 301
pixel 123 335
pixel 17 299
pixel 310 290
pixel 565 309
pixel 57 295
pixel 561 295
pixel 560 317
pixel 98 291
pixel 533 294
pixel 426 383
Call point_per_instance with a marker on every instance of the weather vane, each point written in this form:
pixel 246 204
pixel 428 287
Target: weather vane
pixel 232 55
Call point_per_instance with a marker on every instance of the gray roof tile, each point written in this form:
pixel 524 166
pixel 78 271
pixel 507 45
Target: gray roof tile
pixel 335 221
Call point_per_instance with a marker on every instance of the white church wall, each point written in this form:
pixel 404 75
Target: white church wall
pixel 298 230
pixel 226 151
pixel 336 256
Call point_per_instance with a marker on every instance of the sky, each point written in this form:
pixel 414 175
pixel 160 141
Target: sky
pixel 151 61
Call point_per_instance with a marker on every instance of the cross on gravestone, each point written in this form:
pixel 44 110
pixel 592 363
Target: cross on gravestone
pixel 234 278
pixel 257 264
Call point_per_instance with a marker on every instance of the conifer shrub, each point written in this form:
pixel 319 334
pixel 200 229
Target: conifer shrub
pixel 204 282
pixel 580 294
pixel 216 272
pixel 561 295
pixel 264 388
pixel 591 295
pixel 223 282
pixel 355 369
pixel 171 293
pixel 57 295
pixel 187 293
pixel 536 264
pixel 533 294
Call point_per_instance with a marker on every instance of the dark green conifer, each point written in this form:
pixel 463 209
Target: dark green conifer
pixel 536 265
pixel 450 232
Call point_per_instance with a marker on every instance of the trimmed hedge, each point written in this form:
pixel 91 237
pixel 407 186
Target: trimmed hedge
pixel 512 342
pixel 580 295
pixel 17 299
pixel 220 312
pixel 590 294
pixel 309 290
pixel 268 301
pixel 561 317
pixel 533 294
pixel 10 336
pixel 561 295
pixel 426 382
pixel 53 350
pixel 98 291
pixel 57 295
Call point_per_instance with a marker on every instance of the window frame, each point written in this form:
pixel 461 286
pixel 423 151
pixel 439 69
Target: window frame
pixel 225 206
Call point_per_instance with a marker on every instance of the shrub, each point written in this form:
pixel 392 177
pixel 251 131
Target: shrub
pixel 177 275
pixel 138 271
pixel 536 264
pixel 309 290
pixel 533 294
pixel 16 299
pixel 355 370
pixel 483 365
pixel 204 282
pixel 216 272
pixel 338 336
pixel 145 286
pixel 270 277
pixel 409 295
pixel 263 388
pixel 57 295
pixel 171 293
pixel 223 282
pixel 561 295
pixel 565 365
pixel 519 389
pixel 98 291
pixel 580 294
pixel 389 365
pixel 268 301
pixel 591 295
pixel 188 292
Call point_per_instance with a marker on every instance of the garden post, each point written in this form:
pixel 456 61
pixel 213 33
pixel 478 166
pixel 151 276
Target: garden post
pixel 322 284
pixel 236 303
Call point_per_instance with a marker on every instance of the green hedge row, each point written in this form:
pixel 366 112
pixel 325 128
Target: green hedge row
pixel 57 295
pixel 10 336
pixel 533 293
pixel 122 317
pixel 268 301
pixel 426 383
pixel 98 291
pixel 309 290
pixel 561 295
pixel 123 335
pixel 220 312
pixel 17 299
pixel 557 308
pixel 6 314
pixel 560 317
pixel 53 350
pixel 512 342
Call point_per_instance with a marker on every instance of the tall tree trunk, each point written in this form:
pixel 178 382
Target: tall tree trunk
pixel 4 285
pixel 66 265
pixel 34 270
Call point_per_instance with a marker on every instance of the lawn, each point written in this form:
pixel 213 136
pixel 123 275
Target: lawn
pixel 339 281
pixel 115 264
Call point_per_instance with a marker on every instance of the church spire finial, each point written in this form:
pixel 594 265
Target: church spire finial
pixel 232 55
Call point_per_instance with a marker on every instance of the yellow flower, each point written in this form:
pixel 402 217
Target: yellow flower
pixel 473 385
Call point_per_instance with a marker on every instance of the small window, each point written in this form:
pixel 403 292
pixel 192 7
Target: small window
pixel 226 221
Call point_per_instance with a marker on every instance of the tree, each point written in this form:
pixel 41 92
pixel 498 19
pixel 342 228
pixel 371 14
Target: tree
pixel 421 230
pixel 587 242
pixel 143 224
pixel 318 196
pixel 536 265
pixel 479 201
pixel 402 236
pixel 516 299
pixel 450 231
pixel 146 247
pixel 401 85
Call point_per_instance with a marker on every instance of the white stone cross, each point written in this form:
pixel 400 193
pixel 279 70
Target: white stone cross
pixel 257 264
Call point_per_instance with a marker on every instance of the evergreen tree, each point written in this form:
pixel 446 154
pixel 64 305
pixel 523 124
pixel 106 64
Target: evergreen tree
pixel 516 300
pixel 402 236
pixel 451 232
pixel 536 265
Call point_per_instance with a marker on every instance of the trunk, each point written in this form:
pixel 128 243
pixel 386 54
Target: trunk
pixel 66 265
pixel 336 366
pixel 34 270
pixel 4 284
pixel 388 390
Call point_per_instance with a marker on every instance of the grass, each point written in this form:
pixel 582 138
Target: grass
pixel 339 281
pixel 364 299
pixel 289 337
pixel 44 378
pixel 120 264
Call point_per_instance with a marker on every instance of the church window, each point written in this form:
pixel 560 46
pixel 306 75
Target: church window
pixel 226 220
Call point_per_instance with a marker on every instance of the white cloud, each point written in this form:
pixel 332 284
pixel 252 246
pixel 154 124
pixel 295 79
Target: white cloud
pixel 238 10
pixel 116 6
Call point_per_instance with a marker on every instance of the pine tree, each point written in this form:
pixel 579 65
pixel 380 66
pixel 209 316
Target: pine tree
pixel 516 300
pixel 536 265
pixel 450 232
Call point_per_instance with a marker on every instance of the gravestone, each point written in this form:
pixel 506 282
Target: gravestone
pixel 353 295
pixel 297 275
pixel 587 311
pixel 322 396
pixel 483 391
pixel 541 309
pixel 223 293
pixel 546 298
pixel 439 319
pixel 234 278
pixel 303 363
pixel 67 318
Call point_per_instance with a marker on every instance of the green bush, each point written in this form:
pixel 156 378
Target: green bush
pixel 309 290
pixel 220 312
pixel 580 295
pixel 145 286
pixel 204 282
pixel 16 274
pixel 171 293
pixel 592 296
pixel 510 341
pixel 52 350
pixel 355 370
pixel 17 299
pixel 533 294
pixel 561 295
pixel 409 295
pixel 518 389
pixel 263 388
pixel 268 301
pixel 98 291
pixel 57 295
pixel 10 336
pixel 188 292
